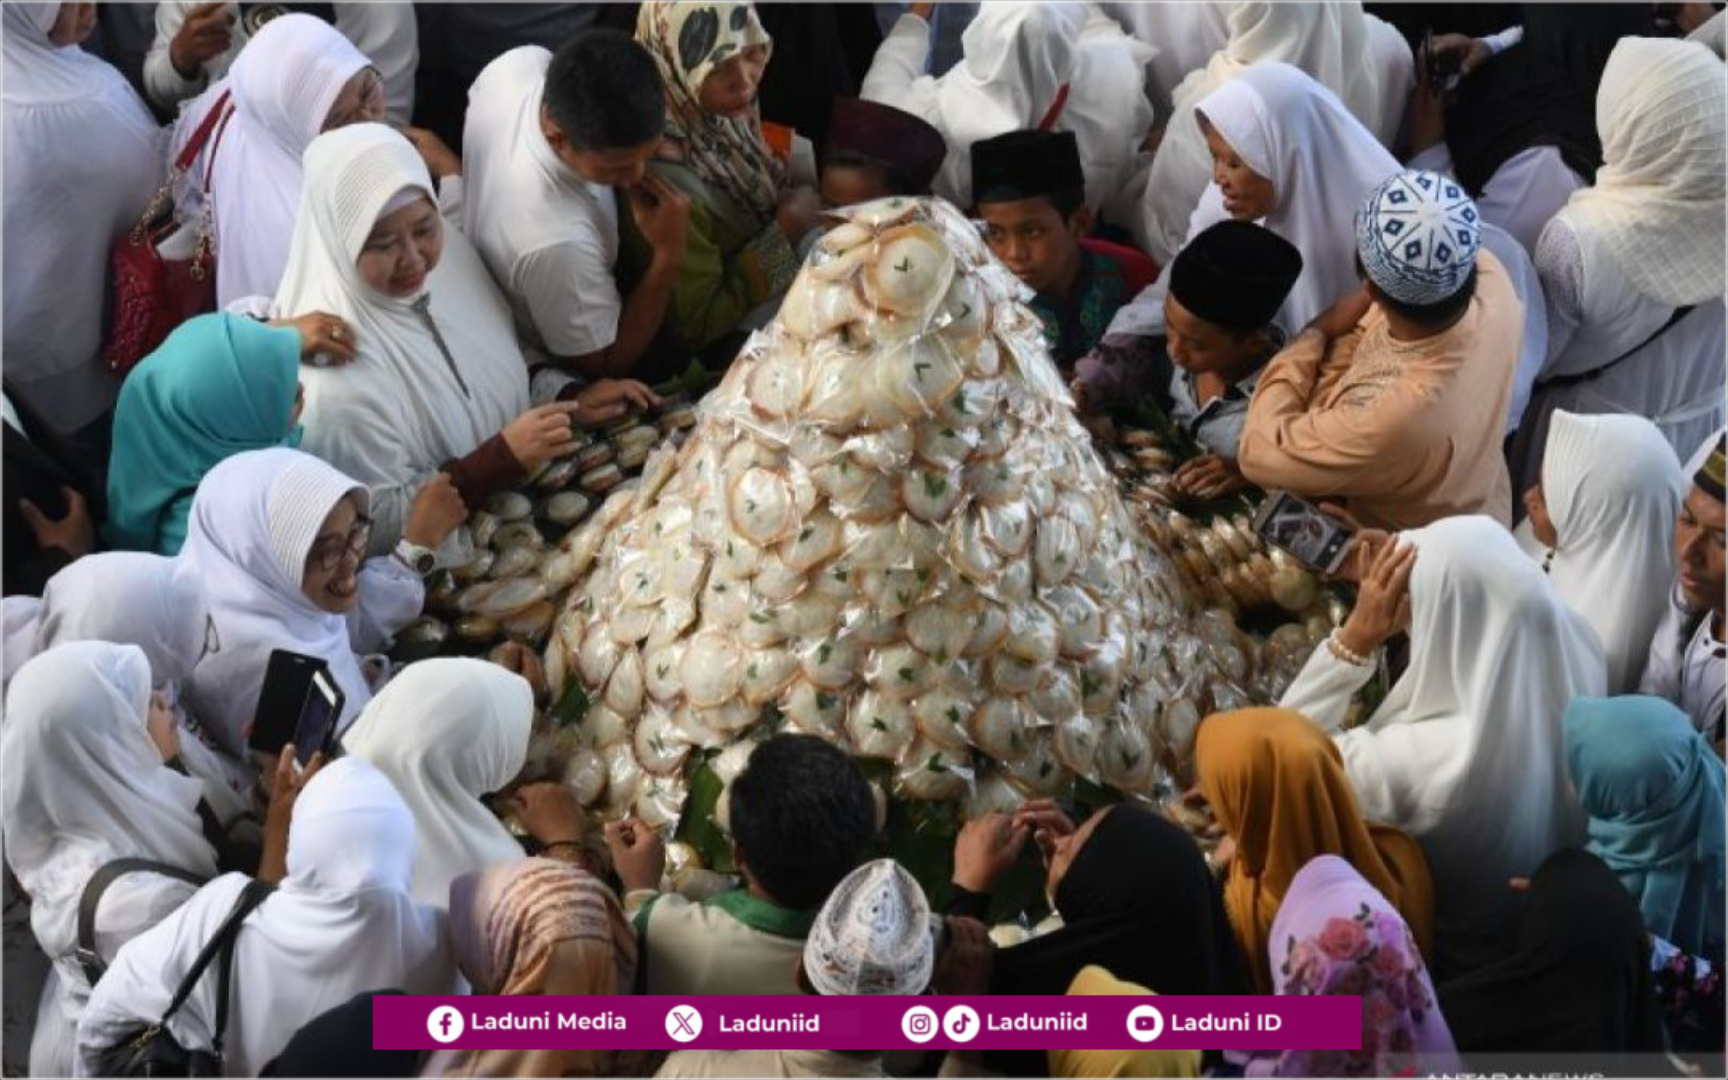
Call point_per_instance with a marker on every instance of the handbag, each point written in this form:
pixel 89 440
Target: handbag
pixel 161 272
pixel 88 901
pixel 152 1050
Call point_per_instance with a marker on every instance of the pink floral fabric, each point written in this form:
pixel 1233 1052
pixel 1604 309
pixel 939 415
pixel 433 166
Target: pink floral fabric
pixel 1336 934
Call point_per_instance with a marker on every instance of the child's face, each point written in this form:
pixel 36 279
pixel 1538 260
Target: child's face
pixel 1202 348
pixel 849 185
pixel 1031 237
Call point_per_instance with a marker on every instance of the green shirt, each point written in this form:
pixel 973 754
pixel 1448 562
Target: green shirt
pixel 1073 327
pixel 733 943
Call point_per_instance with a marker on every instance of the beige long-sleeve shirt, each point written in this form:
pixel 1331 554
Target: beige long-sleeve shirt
pixel 1402 433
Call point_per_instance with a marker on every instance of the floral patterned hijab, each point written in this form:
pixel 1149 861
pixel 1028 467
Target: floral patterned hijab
pixel 688 39
pixel 1336 934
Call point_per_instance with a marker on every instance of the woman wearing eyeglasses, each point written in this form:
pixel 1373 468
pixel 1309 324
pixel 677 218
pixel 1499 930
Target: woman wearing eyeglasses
pixel 279 539
pixel 297 76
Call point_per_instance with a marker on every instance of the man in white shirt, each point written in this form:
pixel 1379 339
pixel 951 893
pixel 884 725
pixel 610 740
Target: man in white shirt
pixel 549 142
pixel 1687 654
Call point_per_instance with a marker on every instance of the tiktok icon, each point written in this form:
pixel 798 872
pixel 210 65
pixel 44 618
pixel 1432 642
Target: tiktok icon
pixel 445 1024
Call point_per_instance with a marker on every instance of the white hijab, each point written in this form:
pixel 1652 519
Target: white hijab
pixel 1465 751
pixel 282 86
pixel 341 923
pixel 1322 163
pixel 1657 202
pixel 82 156
pixel 1334 43
pixel 252 525
pixel 1017 58
pixel 397 413
pixel 446 732
pixel 84 785
pixel 1613 488
pixel 129 597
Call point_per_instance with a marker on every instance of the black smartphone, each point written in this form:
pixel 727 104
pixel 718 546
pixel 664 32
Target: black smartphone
pixel 1313 538
pixel 299 703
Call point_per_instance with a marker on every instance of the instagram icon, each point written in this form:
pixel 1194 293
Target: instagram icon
pixel 919 1024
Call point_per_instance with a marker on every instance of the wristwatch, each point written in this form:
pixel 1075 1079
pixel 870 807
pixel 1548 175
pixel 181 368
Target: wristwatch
pixel 421 560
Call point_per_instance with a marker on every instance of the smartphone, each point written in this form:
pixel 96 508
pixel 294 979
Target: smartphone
pixel 1311 537
pixel 298 703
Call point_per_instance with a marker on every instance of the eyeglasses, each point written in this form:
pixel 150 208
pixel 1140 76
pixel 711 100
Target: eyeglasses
pixel 327 555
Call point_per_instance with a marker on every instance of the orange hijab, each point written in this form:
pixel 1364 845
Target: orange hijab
pixel 1277 785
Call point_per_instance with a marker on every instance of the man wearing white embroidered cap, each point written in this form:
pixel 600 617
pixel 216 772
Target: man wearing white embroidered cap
pixel 875 935
pixel 1393 402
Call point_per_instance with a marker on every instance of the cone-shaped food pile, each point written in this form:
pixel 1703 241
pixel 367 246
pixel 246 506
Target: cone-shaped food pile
pixel 889 530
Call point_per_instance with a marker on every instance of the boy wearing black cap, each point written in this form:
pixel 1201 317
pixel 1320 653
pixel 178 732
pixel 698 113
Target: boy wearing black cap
pixel 876 151
pixel 1224 291
pixel 1029 189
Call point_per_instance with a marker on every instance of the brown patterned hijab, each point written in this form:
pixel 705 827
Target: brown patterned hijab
pixel 536 926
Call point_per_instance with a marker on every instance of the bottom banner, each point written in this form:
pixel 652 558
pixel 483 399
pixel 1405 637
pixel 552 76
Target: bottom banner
pixel 866 1023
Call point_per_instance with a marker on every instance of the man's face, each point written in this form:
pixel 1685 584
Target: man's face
pixel 1698 544
pixel 618 167
pixel 1202 348
pixel 1032 239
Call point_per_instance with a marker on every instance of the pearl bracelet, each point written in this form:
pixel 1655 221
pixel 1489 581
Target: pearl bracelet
pixel 1344 654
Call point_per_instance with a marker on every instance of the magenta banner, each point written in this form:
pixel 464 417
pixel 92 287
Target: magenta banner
pixel 867 1023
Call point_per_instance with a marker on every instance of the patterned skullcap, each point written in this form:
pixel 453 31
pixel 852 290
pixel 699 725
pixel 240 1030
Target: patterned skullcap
pixel 1417 234
pixel 875 935
pixel 1713 472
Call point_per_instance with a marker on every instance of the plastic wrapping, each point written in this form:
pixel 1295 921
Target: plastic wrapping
pixel 887 529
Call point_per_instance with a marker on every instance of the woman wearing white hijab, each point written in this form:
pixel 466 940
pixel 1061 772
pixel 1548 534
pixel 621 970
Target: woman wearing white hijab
pixel 131 598
pixel 438 381
pixel 297 76
pixel 82 157
pixel 83 756
pixel 447 732
pixel 1355 55
pixel 278 538
pixel 1289 131
pixel 340 923
pixel 1633 268
pixel 1602 523
pixel 1465 752
pixel 1056 67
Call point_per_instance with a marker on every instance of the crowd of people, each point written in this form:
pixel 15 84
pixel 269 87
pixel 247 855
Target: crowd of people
pixel 1454 274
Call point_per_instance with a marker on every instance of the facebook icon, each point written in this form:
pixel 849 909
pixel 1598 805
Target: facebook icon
pixel 445 1024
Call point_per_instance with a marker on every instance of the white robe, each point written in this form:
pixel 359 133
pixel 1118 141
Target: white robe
pixel 447 731
pixel 387 33
pixel 1465 752
pixel 1322 164
pixel 282 85
pixel 1017 58
pixel 1350 53
pixel 82 158
pixel 341 923
pixel 1613 488
pixel 1185 32
pixel 253 522
pixel 403 408
pixel 85 785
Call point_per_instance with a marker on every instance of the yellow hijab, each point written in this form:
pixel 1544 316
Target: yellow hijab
pixel 1277 785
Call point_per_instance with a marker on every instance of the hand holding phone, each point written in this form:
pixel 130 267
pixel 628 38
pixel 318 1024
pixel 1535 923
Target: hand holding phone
pixel 299 704
pixel 1313 538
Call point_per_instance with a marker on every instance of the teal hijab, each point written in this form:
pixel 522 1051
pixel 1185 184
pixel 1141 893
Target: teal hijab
pixel 1654 792
pixel 220 385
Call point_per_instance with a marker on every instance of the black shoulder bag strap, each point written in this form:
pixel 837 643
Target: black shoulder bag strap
pixel 1597 372
pixel 91 898
pixel 222 944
